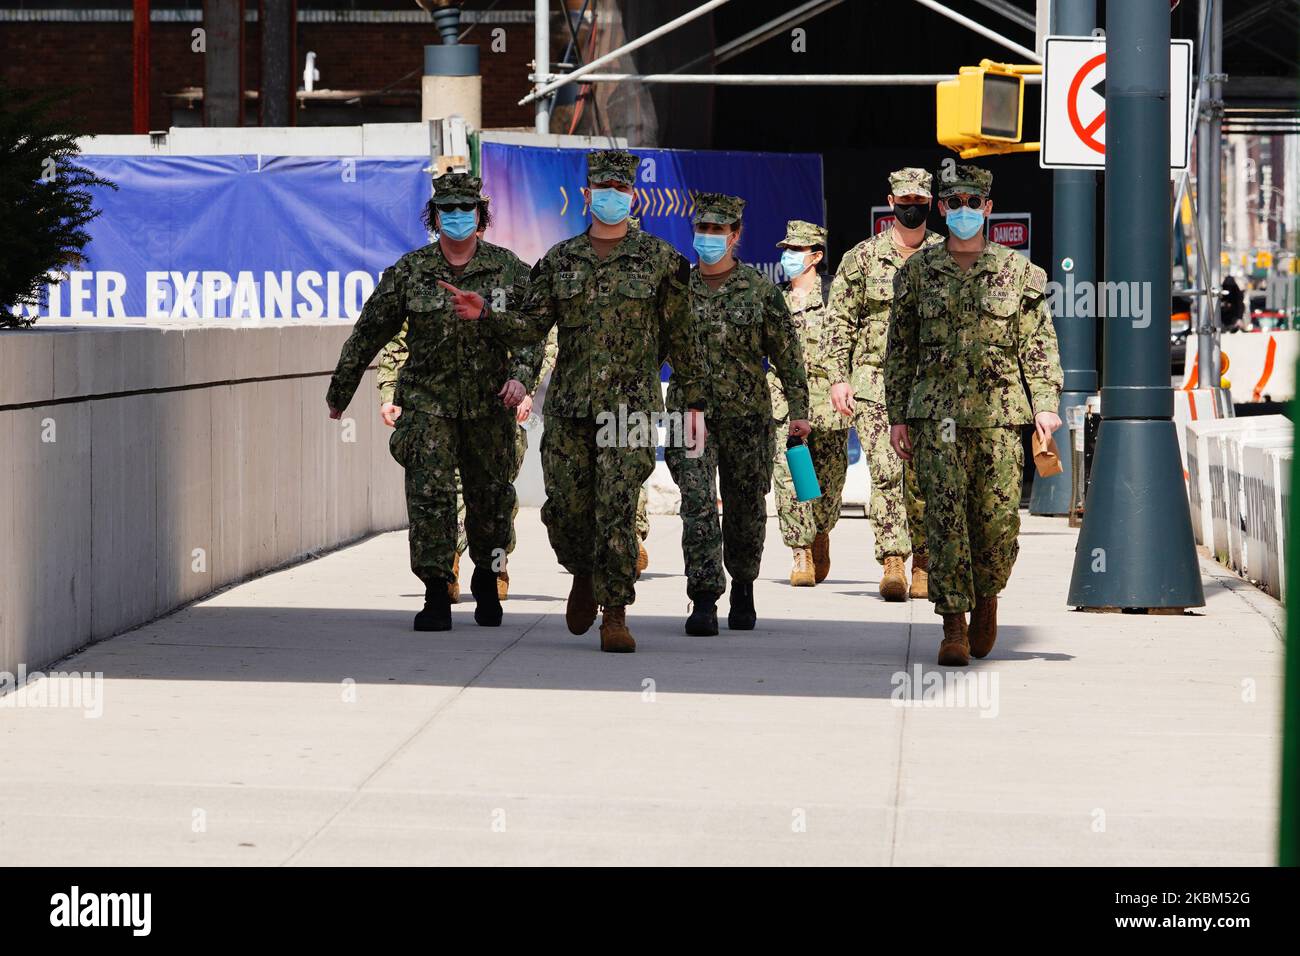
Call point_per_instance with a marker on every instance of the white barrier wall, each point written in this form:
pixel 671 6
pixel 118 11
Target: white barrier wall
pixel 145 466
pixel 1198 435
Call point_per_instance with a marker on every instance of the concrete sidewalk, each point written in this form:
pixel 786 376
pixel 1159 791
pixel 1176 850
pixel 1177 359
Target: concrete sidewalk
pixel 296 719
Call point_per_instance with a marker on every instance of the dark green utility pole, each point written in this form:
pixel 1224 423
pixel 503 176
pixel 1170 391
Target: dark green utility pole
pixel 1135 549
pixel 1074 264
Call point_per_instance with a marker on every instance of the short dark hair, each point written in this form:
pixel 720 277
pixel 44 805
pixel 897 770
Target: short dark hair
pixel 431 208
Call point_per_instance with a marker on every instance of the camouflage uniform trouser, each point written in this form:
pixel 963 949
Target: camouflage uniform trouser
pixel 521 446
pixel 738 459
pixel 897 506
pixel 434 451
pixel 972 499
pixel 642 519
pixel 801 521
pixel 590 510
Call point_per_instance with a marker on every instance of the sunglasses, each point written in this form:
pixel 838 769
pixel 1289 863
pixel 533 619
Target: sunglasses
pixel 956 202
pixel 462 206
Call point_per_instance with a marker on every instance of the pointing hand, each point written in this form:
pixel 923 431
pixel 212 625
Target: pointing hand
pixel 467 305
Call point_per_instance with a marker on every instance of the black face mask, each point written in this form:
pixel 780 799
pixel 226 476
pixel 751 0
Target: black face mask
pixel 910 215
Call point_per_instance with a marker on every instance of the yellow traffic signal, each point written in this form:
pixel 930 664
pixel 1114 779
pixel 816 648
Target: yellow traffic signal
pixel 981 110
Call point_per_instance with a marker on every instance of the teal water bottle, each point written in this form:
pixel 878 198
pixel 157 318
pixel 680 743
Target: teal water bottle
pixel 797 457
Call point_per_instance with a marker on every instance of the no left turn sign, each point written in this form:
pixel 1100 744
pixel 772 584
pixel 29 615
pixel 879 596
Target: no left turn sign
pixel 1074 103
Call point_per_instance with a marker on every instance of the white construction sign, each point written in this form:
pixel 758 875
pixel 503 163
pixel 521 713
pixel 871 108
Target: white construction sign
pixel 1073 129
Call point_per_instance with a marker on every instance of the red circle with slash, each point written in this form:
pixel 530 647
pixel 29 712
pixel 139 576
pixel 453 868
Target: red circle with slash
pixel 1087 134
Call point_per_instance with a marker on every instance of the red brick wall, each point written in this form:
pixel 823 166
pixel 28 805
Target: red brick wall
pixel 97 58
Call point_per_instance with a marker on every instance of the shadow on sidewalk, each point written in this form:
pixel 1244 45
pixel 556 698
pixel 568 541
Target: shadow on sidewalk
pixel 531 651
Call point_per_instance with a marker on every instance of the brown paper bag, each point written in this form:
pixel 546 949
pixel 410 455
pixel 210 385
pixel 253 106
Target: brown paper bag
pixel 1046 460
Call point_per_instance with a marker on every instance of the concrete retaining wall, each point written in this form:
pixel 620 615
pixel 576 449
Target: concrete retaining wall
pixel 142 467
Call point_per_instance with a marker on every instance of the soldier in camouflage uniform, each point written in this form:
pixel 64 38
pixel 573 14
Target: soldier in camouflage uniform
pixel 806 525
pixel 969 320
pixel 619 298
pixel 391 360
pixel 740 318
pixel 457 396
pixel 857 326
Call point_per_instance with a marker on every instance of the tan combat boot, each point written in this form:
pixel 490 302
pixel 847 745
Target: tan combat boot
pixel 893 583
pixel 801 573
pixel 954 650
pixel 503 583
pixel 453 586
pixel 580 613
pixel 642 558
pixel 920 575
pixel 984 624
pixel 821 556
pixel 615 638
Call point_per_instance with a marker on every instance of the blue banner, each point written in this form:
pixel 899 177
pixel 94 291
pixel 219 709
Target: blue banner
pixel 253 238
pixel 537 196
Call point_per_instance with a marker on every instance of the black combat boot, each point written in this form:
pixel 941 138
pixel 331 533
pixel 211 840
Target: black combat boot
pixel 703 621
pixel 483 585
pixel 436 615
pixel 742 616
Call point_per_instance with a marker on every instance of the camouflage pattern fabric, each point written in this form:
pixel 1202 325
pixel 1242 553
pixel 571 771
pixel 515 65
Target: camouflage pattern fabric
pixel 856 338
pixel 591 503
pixel 960 340
pixel 896 508
pixel 910 181
pixel 606 165
pixel 450 188
pixel 857 319
pixel 452 423
pixel 453 368
pixel 964 178
pixel 717 208
pixel 737 462
pixel 801 232
pixel 959 343
pixel 808 313
pixel 734 328
pixel 612 315
pixel 642 516
pixel 433 449
pixel 618 318
pixel 971 481
pixel 801 521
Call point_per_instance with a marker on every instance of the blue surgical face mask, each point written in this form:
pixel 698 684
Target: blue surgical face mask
pixel 610 206
pixel 964 222
pixel 457 224
pixel 710 247
pixel 793 263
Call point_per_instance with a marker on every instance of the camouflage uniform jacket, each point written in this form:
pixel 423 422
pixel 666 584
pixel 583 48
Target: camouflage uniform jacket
pixel 395 355
pixel 455 368
pixel 735 328
pixel 959 341
pixel 857 320
pixel 615 317
pixel 809 315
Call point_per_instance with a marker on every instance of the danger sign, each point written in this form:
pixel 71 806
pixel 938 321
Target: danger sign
pixel 1074 103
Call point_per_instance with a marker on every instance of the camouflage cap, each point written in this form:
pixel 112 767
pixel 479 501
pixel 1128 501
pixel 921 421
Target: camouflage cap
pixel 457 187
pixel 611 164
pixel 717 208
pixel 801 233
pixel 964 178
pixel 910 181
